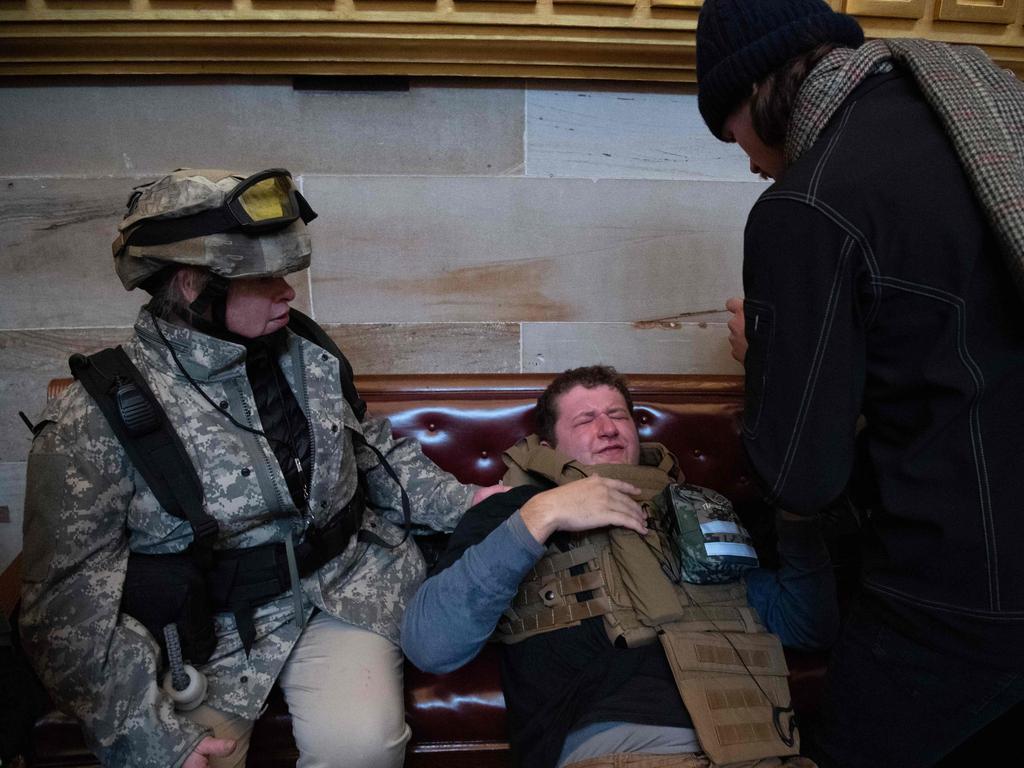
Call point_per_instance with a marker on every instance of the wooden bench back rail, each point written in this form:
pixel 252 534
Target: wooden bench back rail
pixel 465 422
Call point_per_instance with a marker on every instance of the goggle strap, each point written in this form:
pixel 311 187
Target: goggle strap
pixel 212 222
pixel 220 309
pixel 163 231
pixel 305 210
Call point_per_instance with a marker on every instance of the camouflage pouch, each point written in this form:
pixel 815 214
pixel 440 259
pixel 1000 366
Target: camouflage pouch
pixel 711 543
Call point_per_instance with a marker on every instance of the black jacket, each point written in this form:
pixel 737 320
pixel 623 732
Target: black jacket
pixel 873 286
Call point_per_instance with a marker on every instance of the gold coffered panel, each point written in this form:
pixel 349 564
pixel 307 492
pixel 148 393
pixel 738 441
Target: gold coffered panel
pixel 984 11
pixel 598 39
pixel 887 9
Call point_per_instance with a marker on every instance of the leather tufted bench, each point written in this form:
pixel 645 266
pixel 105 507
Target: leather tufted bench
pixel 464 424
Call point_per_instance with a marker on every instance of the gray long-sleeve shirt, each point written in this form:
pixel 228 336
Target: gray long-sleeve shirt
pixel 456 610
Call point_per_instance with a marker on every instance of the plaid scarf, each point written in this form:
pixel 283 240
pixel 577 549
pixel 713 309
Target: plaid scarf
pixel 981 108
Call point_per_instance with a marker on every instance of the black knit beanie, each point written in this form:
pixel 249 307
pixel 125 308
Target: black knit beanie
pixel 740 42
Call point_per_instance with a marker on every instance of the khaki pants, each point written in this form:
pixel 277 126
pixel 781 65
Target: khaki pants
pixel 641 760
pixel 343 686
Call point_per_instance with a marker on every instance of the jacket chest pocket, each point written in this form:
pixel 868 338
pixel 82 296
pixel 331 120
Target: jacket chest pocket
pixel 759 320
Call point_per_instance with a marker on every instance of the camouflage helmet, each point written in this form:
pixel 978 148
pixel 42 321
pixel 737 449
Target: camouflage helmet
pixel 174 204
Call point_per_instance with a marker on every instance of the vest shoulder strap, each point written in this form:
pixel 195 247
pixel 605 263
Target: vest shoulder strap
pixel 154 448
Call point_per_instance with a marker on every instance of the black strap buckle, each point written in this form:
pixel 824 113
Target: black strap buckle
pixel 204 533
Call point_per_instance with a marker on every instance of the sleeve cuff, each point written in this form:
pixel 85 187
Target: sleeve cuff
pixel 523 536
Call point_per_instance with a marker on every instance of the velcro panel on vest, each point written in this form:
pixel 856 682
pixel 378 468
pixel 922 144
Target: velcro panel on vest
pixel 623 624
pixel 717 618
pixel 731 593
pixel 732 713
pixel 716 608
pixel 652 594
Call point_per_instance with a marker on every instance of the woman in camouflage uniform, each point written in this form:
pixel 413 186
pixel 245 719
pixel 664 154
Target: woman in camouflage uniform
pixel 261 415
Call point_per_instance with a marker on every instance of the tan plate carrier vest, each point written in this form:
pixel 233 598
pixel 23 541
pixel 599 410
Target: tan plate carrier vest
pixel 715 642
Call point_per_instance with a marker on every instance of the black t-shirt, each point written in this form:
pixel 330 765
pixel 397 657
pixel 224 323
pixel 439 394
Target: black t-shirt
pixel 559 681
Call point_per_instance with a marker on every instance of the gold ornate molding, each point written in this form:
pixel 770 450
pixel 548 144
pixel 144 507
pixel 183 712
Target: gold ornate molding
pixel 597 39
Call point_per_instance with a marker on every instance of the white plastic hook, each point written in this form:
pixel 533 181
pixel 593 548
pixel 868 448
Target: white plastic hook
pixel 192 695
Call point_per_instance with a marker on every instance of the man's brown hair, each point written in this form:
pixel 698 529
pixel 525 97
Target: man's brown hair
pixel 588 377
pixel 771 105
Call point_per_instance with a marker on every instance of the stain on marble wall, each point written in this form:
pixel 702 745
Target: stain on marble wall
pixel 525 249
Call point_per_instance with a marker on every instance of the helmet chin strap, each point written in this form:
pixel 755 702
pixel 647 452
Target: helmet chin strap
pixel 213 297
pixel 208 311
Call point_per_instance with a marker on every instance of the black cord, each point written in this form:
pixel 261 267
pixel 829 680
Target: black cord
pixel 673 571
pixel 672 568
pixel 777 711
pixel 406 505
pixel 259 433
pixel 195 385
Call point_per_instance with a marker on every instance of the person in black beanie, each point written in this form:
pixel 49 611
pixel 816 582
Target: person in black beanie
pixel 883 276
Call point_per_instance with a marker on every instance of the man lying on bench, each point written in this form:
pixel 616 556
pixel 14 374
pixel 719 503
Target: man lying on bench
pixel 634 616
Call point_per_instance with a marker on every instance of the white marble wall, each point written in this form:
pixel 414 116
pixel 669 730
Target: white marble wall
pixel 465 226
pixel 624 134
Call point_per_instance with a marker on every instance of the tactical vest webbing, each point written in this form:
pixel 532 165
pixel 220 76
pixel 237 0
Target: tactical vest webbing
pixel 238 580
pixel 730 672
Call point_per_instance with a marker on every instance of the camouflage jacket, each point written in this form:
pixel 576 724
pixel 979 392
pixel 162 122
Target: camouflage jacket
pixel 86 507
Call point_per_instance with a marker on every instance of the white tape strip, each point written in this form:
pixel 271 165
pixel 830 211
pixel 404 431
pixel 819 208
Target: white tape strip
pixel 719 526
pixel 729 549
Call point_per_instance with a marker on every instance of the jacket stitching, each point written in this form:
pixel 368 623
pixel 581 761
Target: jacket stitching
pixel 843 223
pixel 819 169
pixel 977 442
pixel 812 377
pixel 991 615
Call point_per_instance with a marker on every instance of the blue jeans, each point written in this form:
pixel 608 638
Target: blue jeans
pixel 890 701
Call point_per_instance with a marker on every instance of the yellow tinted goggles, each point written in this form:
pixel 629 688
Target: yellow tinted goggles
pixel 264 200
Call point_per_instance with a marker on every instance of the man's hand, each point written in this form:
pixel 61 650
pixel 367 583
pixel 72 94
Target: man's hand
pixel 209 747
pixel 737 329
pixel 584 505
pixel 487 491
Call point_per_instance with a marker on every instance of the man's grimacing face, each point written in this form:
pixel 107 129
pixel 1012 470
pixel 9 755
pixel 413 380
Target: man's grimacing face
pixel 594 426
